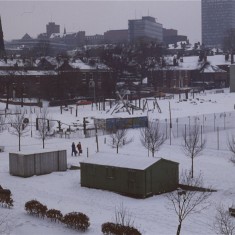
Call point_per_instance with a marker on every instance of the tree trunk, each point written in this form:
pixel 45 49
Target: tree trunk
pixel 19 143
pixel 152 153
pixel 192 167
pixel 178 229
pixel 43 143
pixel 117 148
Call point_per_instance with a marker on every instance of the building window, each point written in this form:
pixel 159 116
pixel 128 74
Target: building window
pixel 110 172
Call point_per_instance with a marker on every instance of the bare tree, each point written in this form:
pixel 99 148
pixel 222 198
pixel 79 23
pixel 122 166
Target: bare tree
pixel 192 200
pixel 19 124
pixel 231 147
pixel 44 125
pixel 123 216
pixel 152 138
pixel 119 138
pixel 193 145
pixel 224 224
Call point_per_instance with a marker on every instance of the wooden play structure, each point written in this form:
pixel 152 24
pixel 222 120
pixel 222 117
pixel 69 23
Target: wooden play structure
pixel 155 104
pixel 123 104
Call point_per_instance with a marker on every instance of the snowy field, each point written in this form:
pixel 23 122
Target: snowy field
pixel 152 216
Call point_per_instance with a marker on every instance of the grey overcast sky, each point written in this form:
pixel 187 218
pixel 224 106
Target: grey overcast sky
pixel 96 17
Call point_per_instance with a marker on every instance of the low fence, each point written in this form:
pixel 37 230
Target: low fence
pixel 216 128
pixel 23 103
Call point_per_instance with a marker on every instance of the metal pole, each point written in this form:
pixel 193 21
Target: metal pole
pixel 201 134
pixel 214 121
pixel 166 127
pixel 203 118
pixel 170 121
pixel 31 118
pixel 224 119
pixel 96 137
pixel 189 122
pixel 177 127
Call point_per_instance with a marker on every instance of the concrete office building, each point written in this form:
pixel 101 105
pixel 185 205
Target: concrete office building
pixel 116 36
pixel 170 36
pixel 52 28
pixel 147 27
pixel 217 18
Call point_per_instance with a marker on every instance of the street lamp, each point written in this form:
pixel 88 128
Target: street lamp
pixel 22 94
pixel 31 117
pixel 92 85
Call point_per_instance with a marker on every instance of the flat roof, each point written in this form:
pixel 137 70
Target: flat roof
pixel 122 160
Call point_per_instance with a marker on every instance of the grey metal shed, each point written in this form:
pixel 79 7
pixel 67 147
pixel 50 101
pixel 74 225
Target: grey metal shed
pixel 26 164
pixel 136 176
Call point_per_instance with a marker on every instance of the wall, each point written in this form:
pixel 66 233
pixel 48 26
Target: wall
pixel 165 176
pixel 114 179
pixel 122 123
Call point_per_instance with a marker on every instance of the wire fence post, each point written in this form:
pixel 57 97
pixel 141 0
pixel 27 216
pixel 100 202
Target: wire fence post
pixel 166 127
pixel 189 122
pixel 201 135
pixel 218 138
pixel 96 139
pixel 214 121
pixel 224 119
pixel 177 127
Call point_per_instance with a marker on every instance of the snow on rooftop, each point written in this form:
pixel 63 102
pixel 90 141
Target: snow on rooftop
pixel 12 63
pixel 78 64
pixel 192 63
pixel 212 69
pixel 27 73
pixel 121 160
pixel 30 151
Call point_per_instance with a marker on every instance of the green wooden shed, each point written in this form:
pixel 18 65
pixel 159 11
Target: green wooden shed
pixel 135 176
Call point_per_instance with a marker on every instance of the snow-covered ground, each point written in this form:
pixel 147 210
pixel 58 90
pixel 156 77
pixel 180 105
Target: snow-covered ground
pixel 62 190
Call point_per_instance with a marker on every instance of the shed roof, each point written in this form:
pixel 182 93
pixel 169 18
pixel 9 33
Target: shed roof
pixel 121 160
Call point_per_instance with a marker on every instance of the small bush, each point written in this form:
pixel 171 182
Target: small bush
pixel 5 198
pixel 118 229
pixel 34 207
pixel 77 220
pixel 54 215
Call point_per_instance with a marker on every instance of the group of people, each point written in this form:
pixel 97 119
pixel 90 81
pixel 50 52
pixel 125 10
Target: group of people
pixel 78 150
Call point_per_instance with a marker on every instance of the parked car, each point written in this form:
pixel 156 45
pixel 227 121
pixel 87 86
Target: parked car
pixel 83 102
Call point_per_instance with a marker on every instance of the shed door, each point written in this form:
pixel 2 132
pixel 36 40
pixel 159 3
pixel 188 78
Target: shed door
pixel 148 181
pixel 132 181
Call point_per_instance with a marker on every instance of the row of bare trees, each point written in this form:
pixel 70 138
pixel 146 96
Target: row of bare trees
pixel 19 124
pixel 152 138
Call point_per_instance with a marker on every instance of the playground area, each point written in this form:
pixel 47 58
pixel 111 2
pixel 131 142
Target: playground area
pixel 174 114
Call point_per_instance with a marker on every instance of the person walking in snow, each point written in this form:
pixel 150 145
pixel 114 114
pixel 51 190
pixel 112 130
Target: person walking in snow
pixel 79 146
pixel 74 151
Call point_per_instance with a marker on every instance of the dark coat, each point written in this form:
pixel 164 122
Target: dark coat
pixel 73 147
